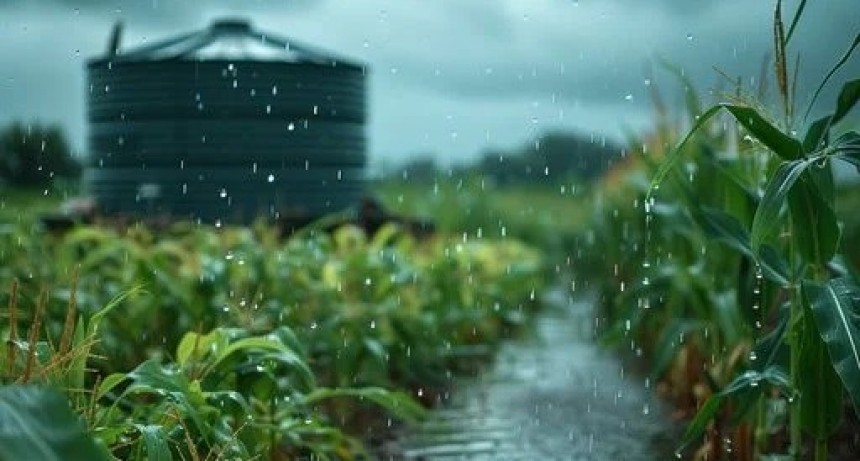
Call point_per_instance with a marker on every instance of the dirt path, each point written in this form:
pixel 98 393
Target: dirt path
pixel 556 395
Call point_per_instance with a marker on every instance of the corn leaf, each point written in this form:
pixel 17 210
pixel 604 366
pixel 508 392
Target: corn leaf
pixel 847 147
pixel 816 134
pixel 155 441
pixel 848 97
pixel 36 424
pixel 398 403
pixel 783 145
pixel 723 227
pixel 835 305
pixel 780 143
pixel 815 227
pixel 766 222
pixel 819 386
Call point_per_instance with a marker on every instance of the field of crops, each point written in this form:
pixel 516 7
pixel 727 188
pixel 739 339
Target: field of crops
pixel 726 255
pixel 197 343
pixel 721 250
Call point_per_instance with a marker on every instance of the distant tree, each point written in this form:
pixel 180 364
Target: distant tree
pixel 422 168
pixel 35 155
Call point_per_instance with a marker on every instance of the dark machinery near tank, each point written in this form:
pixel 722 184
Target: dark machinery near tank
pixel 225 125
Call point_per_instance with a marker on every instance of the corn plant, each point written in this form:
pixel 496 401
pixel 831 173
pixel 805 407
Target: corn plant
pixel 792 241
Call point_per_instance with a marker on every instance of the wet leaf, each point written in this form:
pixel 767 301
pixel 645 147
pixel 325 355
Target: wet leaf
pixel 848 97
pixel 36 424
pixel 155 441
pixel 836 308
pixel 766 223
pixel 815 227
pixel 819 386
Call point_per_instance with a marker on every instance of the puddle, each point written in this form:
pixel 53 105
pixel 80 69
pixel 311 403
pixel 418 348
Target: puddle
pixel 555 395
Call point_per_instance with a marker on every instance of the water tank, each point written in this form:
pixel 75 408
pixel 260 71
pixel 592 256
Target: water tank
pixel 224 125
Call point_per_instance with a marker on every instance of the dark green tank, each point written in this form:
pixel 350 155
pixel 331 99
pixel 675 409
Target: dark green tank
pixel 225 125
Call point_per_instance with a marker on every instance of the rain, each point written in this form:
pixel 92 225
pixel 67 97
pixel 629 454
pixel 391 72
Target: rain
pixel 405 230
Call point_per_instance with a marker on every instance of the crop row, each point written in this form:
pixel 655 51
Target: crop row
pixel 720 257
pixel 235 344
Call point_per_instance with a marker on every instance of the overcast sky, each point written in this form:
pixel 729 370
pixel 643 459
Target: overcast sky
pixel 448 77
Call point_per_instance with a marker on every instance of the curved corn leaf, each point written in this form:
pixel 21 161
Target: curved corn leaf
pixel 848 97
pixel 766 222
pixel 780 143
pixel 816 134
pixel 835 305
pixel 155 441
pixel 283 354
pixel 847 147
pixel 749 381
pixel 36 424
pixel 723 227
pixel 783 145
pixel 815 227
pixel 669 342
pixel 397 403
pixel 819 386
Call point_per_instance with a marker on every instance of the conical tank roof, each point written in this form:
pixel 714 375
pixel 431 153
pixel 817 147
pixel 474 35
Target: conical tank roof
pixel 231 39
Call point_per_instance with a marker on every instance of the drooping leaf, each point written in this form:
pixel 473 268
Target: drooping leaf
pixel 816 135
pixel 783 145
pixel 815 227
pixel 766 222
pixel 721 226
pixel 819 386
pixel 748 384
pixel 397 403
pixel 780 143
pixel 36 424
pixel 836 308
pixel 154 377
pixel 847 147
pixel 667 345
pixel 267 344
pixel 848 97
pixel 155 442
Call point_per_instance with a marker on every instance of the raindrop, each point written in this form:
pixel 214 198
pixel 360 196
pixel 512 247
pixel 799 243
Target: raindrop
pixel 629 97
pixel 268 108
pixel 689 37
pixel 271 178
pixel 274 90
pixel 223 193
pixel 291 126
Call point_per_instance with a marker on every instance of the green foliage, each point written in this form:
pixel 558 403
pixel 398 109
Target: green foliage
pixel 204 344
pixel 34 155
pixel 37 424
pixel 732 281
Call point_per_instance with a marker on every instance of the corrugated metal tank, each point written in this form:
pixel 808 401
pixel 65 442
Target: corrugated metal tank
pixel 225 124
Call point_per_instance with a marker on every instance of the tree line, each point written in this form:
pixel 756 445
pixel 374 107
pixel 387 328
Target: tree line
pixel 558 155
pixel 35 155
